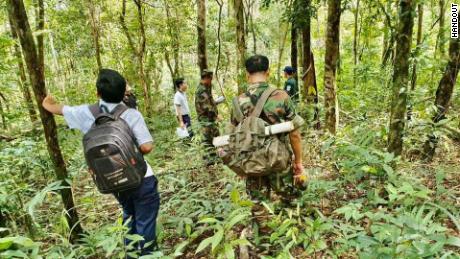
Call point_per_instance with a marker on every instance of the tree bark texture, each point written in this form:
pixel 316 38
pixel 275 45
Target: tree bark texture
pixel 330 64
pixel 21 25
pixel 294 49
pixel 201 29
pixel 401 76
pixel 240 42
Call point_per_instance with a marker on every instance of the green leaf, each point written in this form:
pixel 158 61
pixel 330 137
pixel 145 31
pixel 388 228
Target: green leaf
pixel 205 243
pixel 228 251
pixel 453 241
pixel 235 220
pixel 6 242
pixel 208 220
pixel 217 238
pixel 180 248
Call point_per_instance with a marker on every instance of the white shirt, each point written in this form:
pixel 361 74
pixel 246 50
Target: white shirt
pixel 81 118
pixel 180 99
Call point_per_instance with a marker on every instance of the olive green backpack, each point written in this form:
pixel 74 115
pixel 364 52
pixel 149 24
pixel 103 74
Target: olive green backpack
pixel 250 152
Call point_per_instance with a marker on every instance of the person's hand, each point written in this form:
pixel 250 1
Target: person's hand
pixel 49 99
pixel 298 168
pixel 182 124
pixel 219 118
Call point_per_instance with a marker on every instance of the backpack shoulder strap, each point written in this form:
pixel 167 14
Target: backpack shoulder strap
pixel 261 102
pixel 95 110
pixel 237 109
pixel 119 110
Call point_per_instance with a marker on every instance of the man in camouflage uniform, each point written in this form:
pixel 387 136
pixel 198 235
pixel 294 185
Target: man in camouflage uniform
pixel 278 108
pixel 206 109
pixel 290 86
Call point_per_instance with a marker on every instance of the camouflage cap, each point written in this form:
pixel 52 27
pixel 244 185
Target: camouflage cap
pixel 206 72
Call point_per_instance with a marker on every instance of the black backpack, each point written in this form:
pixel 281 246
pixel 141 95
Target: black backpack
pixel 111 152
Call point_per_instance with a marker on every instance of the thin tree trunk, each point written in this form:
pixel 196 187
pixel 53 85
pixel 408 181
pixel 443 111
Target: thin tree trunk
pixel 24 86
pixel 444 94
pixel 389 36
pixel 253 28
pixel 21 25
pixel 330 63
pixel 401 76
pixel 294 50
pixel 96 31
pixel 2 114
pixel 201 28
pixel 240 42
pixel 355 35
pixel 280 54
pixel 419 41
pixel 440 40
pixel 310 88
pixel 219 46
pixel 40 20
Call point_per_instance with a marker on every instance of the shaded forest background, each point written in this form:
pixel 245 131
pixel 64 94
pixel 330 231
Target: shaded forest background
pixel 378 83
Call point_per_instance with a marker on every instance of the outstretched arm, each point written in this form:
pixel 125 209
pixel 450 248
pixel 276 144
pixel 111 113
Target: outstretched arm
pixel 51 105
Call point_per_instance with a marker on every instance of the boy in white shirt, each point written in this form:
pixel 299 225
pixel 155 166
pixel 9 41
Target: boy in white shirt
pixel 181 105
pixel 140 205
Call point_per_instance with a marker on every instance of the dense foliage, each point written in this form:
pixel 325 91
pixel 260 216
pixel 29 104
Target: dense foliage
pixel 361 201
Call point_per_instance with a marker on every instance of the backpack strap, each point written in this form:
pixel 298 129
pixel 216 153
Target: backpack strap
pixel 261 102
pixel 119 110
pixel 237 110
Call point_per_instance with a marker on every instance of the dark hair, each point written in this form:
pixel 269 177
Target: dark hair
pixel 111 86
pixel 257 63
pixel 178 82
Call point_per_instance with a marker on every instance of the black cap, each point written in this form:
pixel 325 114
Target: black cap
pixel 289 69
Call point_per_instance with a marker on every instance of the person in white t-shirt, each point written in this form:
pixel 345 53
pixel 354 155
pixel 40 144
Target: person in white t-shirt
pixel 181 105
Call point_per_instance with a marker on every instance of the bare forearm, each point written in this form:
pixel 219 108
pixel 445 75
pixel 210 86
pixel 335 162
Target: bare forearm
pixel 296 144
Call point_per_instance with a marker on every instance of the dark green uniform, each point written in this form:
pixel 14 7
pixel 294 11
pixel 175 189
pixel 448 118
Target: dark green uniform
pixel 290 86
pixel 206 110
pixel 278 108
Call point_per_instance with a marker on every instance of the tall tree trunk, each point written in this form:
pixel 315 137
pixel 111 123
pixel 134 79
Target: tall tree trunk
pixel 21 25
pixel 330 63
pixel 240 42
pixel 281 52
pixel 253 28
pixel 294 50
pixel 96 31
pixel 201 28
pixel 389 34
pixel 401 76
pixel 23 84
pixel 419 42
pixel 40 20
pixel 310 88
pixel 444 94
pixel 355 36
pixel 440 40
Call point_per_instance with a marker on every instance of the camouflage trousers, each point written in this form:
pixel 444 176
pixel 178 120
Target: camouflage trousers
pixel 209 131
pixel 260 190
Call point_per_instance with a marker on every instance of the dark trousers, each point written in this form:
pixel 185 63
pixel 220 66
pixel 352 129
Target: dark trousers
pixel 140 207
pixel 188 123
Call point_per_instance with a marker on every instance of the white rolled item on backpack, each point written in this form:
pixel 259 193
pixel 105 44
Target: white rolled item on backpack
pixel 284 127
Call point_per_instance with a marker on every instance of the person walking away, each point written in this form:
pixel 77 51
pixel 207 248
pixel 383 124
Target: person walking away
pixel 290 86
pixel 206 109
pixel 140 205
pixel 278 108
pixel 181 105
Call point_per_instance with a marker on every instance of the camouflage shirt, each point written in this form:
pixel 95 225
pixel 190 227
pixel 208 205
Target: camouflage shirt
pixel 206 108
pixel 278 108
